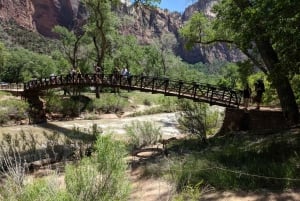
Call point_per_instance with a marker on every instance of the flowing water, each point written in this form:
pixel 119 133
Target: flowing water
pixel 108 123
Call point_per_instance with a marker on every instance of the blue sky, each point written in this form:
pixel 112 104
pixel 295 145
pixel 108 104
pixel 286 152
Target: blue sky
pixel 175 5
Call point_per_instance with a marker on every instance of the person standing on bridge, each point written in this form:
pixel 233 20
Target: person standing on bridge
pixel 260 89
pixel 246 96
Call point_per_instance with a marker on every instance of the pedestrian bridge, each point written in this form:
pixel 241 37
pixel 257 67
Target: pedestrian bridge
pixel 199 92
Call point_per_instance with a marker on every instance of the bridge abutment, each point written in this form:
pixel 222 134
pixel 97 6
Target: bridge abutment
pixel 37 113
pixel 252 120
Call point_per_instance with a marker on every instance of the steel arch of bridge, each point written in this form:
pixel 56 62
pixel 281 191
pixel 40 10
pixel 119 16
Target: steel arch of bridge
pixel 214 95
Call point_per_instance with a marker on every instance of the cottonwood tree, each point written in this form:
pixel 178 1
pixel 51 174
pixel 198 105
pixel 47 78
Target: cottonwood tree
pixel 3 57
pixel 266 31
pixel 101 25
pixel 70 43
pixel 165 45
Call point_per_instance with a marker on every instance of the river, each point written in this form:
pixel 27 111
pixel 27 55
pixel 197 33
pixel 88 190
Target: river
pixel 109 123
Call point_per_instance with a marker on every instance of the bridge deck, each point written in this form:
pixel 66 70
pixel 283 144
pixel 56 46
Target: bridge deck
pixel 213 95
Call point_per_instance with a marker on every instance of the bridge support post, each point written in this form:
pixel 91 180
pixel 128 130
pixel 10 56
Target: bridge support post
pixel 37 112
pixel 97 90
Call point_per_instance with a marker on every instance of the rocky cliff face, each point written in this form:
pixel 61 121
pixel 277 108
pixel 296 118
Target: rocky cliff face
pixel 147 23
pixel 19 11
pixel 40 15
pixel 206 54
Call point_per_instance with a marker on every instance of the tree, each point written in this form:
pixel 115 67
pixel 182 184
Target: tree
pixel 3 57
pixel 147 2
pixel 22 65
pixel 101 25
pixel 197 119
pixel 259 29
pixel 70 43
pixel 165 44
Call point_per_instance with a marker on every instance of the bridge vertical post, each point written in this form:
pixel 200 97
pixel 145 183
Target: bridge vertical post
pixel 195 87
pixel 180 87
pixel 142 81
pixel 153 83
pixel 212 95
pixel 166 84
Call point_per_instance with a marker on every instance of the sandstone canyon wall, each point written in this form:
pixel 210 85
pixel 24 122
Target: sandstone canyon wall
pixel 40 15
pixel 147 23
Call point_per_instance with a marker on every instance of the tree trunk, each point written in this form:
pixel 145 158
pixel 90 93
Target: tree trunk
pixel 287 100
pixel 279 80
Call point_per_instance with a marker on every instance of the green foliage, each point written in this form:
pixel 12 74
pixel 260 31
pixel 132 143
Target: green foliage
pixel 269 96
pixel 23 65
pixel 101 177
pixel 197 119
pixel 15 36
pixel 296 86
pixel 13 108
pixel 143 133
pixel 3 56
pixel 191 193
pixel 72 44
pixel 69 106
pixel 4 117
pixel 101 27
pixel 230 76
pixel 196 30
pixel 148 2
pixel 259 29
pixel 41 189
pixel 245 162
pixel 168 104
pixel 108 103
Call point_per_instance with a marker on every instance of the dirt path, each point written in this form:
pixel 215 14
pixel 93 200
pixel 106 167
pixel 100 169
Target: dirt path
pixel 149 189
pixel 290 195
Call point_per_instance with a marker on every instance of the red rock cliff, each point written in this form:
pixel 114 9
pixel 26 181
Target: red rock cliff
pixel 40 15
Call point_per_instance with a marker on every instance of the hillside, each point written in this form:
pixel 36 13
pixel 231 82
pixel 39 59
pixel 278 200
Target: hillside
pixel 148 23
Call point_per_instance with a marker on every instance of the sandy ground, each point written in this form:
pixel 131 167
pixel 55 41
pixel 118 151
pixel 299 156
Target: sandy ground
pixel 149 189
pixel 291 195
pixel 155 189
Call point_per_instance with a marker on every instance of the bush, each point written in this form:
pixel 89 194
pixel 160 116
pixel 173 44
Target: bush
pixel 101 177
pixel 191 193
pixel 143 133
pixel 197 119
pixel 66 106
pixel 109 103
pixel 40 189
pixel 147 102
pixel 4 117
pixel 15 108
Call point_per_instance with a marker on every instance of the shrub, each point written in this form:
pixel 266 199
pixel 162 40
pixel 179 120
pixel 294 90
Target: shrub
pixel 4 117
pixel 196 119
pixel 101 177
pixel 15 108
pixel 143 133
pixel 54 103
pixel 189 192
pixel 108 104
pixel 147 102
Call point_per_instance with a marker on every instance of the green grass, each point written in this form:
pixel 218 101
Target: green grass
pixel 235 162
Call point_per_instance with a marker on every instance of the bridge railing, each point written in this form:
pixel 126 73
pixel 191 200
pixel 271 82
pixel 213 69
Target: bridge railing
pixel 192 90
pixel 12 86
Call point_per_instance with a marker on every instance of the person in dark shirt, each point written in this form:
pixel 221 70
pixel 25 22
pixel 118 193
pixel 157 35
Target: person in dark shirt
pixel 259 89
pixel 246 96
